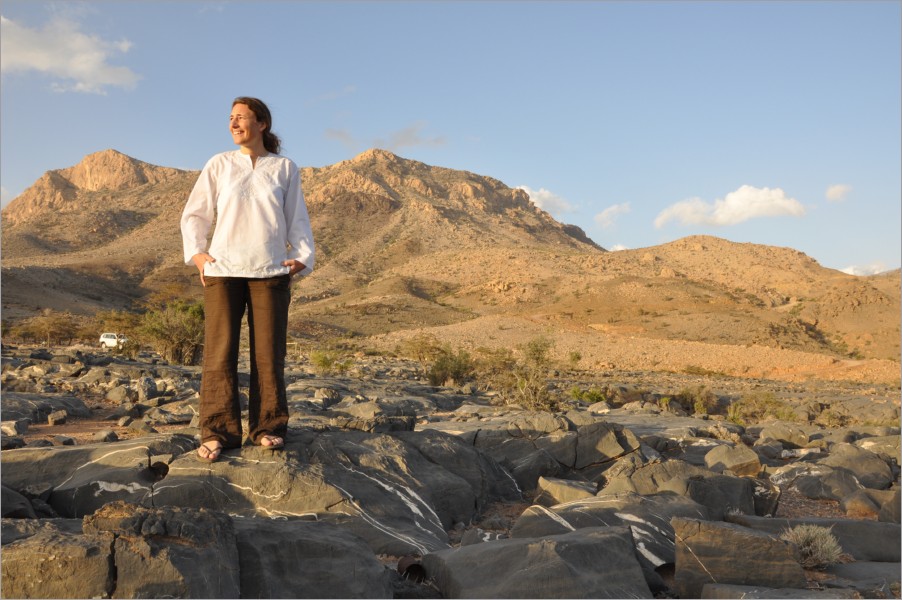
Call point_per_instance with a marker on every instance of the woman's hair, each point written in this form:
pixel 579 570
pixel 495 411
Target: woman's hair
pixel 271 141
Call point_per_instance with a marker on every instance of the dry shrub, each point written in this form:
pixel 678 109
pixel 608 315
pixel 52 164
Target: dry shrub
pixel 818 547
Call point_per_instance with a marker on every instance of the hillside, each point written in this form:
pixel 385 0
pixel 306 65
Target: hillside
pixel 406 248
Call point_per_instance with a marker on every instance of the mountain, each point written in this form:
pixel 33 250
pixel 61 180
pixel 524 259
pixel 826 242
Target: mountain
pixel 407 248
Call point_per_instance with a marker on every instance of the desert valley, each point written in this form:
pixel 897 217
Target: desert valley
pixel 431 490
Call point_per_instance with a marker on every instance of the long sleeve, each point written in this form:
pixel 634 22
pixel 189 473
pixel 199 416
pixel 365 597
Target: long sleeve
pixel 199 212
pixel 300 235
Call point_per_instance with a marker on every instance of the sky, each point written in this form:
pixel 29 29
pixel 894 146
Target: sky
pixel 776 123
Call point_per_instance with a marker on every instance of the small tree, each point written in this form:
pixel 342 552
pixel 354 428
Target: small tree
pixel 176 331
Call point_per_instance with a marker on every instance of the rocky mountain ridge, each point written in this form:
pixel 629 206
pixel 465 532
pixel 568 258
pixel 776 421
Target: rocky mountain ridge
pixel 406 248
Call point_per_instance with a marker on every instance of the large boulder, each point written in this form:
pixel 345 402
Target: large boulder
pixel 78 480
pixel 400 492
pixel 862 540
pixel 168 552
pixel 52 559
pixel 717 552
pixel 870 469
pixel 304 559
pixel 648 518
pixel 588 563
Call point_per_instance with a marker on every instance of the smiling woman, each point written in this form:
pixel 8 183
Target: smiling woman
pixel 262 238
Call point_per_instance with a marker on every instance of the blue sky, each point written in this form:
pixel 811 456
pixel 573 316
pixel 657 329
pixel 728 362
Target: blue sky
pixel 642 122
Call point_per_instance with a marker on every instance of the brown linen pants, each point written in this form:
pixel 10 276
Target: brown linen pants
pixel 225 300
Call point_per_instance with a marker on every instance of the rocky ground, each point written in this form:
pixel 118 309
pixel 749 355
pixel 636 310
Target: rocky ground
pixel 430 491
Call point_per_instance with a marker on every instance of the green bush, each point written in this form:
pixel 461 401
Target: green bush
pixel 818 547
pixel 451 368
pixel 700 398
pixel 521 381
pixel 175 331
pixel 329 361
pixel 757 407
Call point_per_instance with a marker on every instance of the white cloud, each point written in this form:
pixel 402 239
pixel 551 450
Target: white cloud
pixel 618 248
pixel 606 217
pixel 838 192
pixel 745 203
pixel 871 269
pixel 77 61
pixel 547 200
pixel 408 137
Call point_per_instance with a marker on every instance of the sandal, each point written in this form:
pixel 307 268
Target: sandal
pixel 275 442
pixel 207 453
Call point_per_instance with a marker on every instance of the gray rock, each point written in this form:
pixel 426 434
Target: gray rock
pixel 14 505
pixel 383 488
pixel 589 563
pixel 715 552
pixel 17 427
pixel 863 540
pixel 647 516
pixel 886 447
pixel 303 559
pixel 78 480
pixel 53 561
pixel 791 436
pixel 866 579
pixel 740 460
pixel 870 470
pixel 553 491
pixel 57 417
pixel 166 552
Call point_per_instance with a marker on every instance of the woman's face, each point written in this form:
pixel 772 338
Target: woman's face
pixel 246 130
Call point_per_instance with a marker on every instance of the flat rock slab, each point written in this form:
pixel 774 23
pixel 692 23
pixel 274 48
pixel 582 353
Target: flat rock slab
pixel 716 552
pixel 589 563
pixel 863 540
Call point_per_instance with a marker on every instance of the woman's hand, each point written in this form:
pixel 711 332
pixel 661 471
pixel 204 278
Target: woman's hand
pixel 295 266
pixel 200 259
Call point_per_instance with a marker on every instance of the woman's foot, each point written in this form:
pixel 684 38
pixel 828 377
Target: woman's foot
pixel 209 451
pixel 271 442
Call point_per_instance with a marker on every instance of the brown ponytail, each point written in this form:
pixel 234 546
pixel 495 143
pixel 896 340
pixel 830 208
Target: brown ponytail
pixel 271 141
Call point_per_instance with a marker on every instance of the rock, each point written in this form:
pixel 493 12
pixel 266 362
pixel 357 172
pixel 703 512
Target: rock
pixel 168 552
pixel 78 480
pixel 603 442
pixel 889 512
pixel 105 436
pixel 863 540
pixel 385 489
pixel 55 562
pixel 886 447
pixel 17 427
pixel 63 440
pixel 589 563
pixel 740 460
pixel 790 436
pixel 715 552
pixel 14 505
pixel 303 559
pixel 816 481
pixel 869 469
pixel 57 417
pixel 553 491
pixel 648 518
pixel 720 493
pixel 36 407
pixel 865 579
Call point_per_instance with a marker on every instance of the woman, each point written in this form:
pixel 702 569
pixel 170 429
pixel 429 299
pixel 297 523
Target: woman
pixel 262 238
